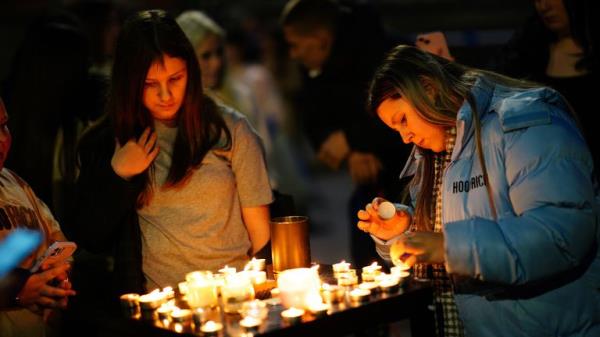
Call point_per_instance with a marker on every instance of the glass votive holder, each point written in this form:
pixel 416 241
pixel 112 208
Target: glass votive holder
pixel 201 289
pixel 130 305
pixel 181 320
pixel 359 296
pixel 236 290
pixel 211 329
pixel 332 294
pixel 318 309
pixel 292 315
pixel 256 309
pixel 250 324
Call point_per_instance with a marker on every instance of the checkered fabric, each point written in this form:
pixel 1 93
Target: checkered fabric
pixel 448 324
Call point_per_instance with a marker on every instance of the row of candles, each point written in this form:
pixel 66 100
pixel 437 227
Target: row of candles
pixel 299 290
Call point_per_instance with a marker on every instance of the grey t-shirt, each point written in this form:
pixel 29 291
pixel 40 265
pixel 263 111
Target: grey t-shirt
pixel 199 226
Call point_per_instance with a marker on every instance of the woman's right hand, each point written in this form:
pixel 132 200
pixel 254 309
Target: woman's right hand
pixel 135 156
pixel 371 222
pixel 38 291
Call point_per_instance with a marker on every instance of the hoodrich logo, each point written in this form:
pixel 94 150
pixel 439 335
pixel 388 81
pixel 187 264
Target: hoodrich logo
pixel 467 185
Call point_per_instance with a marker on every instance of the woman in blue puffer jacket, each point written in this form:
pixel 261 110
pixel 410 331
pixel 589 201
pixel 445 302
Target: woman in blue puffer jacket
pixel 503 214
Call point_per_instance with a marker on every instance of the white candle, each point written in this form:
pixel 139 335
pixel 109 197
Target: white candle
pixel 341 267
pixel 292 315
pixel 250 324
pixel 298 287
pixel 236 290
pixel 255 264
pixel 211 328
pixel 227 271
pixel 318 309
pixel 201 289
pixel 359 296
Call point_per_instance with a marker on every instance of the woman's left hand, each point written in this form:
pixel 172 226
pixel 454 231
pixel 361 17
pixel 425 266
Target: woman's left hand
pixel 422 247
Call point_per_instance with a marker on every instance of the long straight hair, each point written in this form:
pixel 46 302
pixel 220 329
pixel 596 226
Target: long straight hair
pixel 145 39
pixel 437 88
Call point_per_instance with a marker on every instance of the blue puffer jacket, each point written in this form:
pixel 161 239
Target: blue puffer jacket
pixel 535 270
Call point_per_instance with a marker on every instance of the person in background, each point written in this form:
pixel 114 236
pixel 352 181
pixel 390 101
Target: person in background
pixel 507 244
pixel 170 181
pixel 558 48
pixel 27 298
pixel 321 36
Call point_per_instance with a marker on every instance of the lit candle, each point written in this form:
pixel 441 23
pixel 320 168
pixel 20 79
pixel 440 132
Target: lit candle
pixel 370 286
pixel 256 308
pixel 199 316
pixel 227 271
pixel 298 287
pixel 201 289
pixel 399 271
pixel 292 315
pixel 163 314
pixel 169 293
pixel 130 305
pixel 183 288
pixel 359 296
pixel 250 324
pixel 255 264
pixel 257 277
pixel 182 319
pixel 332 294
pixel 347 279
pixel 211 328
pixel 341 267
pixel 236 290
pixel 318 309
pixel 369 272
pixel 149 303
pixel 390 284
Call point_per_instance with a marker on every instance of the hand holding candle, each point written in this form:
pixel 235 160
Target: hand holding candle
pixel 382 219
pixel 413 247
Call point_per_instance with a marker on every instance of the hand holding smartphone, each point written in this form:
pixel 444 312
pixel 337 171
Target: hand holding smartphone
pixel 57 252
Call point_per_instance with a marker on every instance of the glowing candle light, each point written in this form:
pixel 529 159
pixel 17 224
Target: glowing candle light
pixel 211 328
pixel 341 267
pixel 292 315
pixel 359 296
pixel 255 264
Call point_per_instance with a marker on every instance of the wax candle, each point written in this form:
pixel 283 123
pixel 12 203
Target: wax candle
pixel 250 324
pixel 318 309
pixel 332 294
pixel 359 296
pixel 298 287
pixel 255 264
pixel 236 290
pixel 292 315
pixel 227 271
pixel 211 328
pixel 201 289
pixel 341 267
pixel 130 305
pixel 256 308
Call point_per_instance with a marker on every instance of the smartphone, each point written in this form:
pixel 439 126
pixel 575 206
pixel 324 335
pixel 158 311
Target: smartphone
pixel 57 252
pixel 16 247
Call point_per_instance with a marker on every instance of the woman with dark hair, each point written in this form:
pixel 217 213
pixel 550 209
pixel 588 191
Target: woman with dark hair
pixel 502 212
pixel 170 181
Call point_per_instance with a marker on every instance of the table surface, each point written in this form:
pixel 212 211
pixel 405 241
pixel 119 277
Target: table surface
pixel 411 302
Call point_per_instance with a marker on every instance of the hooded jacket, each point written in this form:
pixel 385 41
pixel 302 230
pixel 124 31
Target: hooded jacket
pixel 534 268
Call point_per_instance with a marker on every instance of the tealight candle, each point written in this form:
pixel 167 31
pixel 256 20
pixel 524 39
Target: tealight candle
pixel 359 296
pixel 164 314
pixel 257 277
pixel 211 328
pixel 298 287
pixel 255 264
pixel 199 316
pixel 389 285
pixel 318 309
pixel 399 271
pixel 275 292
pixel 226 271
pixel 149 303
pixel 347 280
pixel 182 319
pixel 250 324
pixel 256 308
pixel 183 288
pixel 130 305
pixel 341 267
pixel 292 315
pixel 332 294
pixel 370 286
